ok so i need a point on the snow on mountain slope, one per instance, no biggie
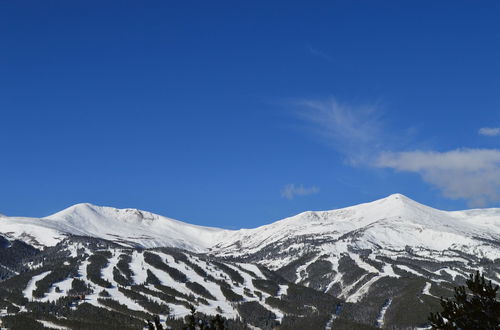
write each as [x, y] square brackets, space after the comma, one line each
[393, 222]
[355, 251]
[32, 231]
[126, 226]
[164, 281]
[393, 249]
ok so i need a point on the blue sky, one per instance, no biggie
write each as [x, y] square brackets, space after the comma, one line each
[238, 114]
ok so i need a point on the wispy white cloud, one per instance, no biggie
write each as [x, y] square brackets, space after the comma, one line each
[471, 174]
[319, 53]
[290, 191]
[361, 136]
[355, 131]
[489, 131]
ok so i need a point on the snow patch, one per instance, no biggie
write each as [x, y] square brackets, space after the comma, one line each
[52, 325]
[381, 316]
[28, 292]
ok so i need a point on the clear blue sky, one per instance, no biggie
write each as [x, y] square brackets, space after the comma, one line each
[236, 114]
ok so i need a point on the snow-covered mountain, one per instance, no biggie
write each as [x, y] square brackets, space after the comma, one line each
[393, 222]
[126, 226]
[392, 227]
[356, 253]
[380, 259]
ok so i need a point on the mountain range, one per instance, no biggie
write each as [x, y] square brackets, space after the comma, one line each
[382, 264]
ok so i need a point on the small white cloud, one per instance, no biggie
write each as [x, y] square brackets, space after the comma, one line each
[489, 131]
[471, 174]
[319, 53]
[291, 190]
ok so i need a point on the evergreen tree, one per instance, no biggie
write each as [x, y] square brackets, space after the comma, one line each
[150, 325]
[196, 321]
[191, 319]
[217, 323]
[477, 310]
[157, 323]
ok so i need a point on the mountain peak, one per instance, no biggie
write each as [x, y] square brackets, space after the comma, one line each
[398, 201]
[90, 211]
[132, 225]
[397, 196]
[80, 208]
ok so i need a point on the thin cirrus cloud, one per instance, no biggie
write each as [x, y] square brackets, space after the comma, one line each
[290, 191]
[359, 133]
[318, 53]
[489, 131]
[352, 130]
